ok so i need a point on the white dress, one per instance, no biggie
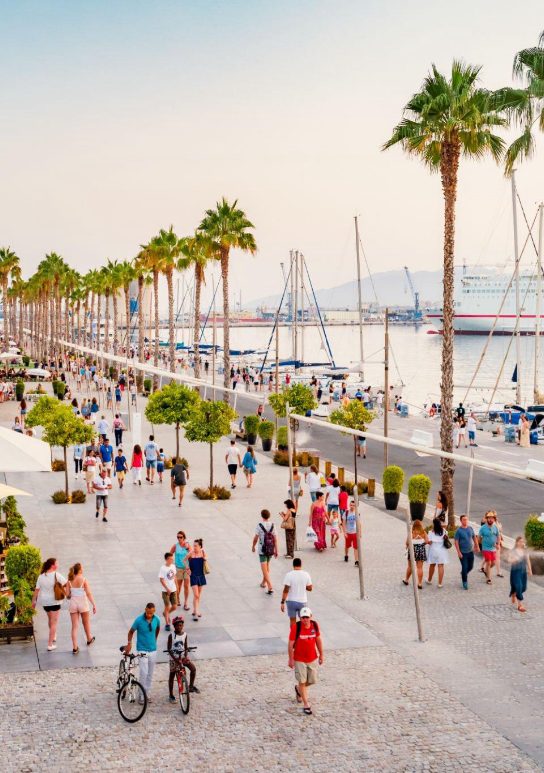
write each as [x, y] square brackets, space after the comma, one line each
[437, 552]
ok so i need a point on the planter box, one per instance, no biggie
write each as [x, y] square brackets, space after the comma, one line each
[16, 631]
[417, 510]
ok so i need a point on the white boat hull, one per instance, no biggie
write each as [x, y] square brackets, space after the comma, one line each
[480, 324]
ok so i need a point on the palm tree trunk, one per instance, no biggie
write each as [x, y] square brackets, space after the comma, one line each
[449, 166]
[107, 326]
[91, 320]
[21, 324]
[65, 473]
[98, 321]
[4, 312]
[115, 321]
[127, 316]
[140, 376]
[196, 334]
[226, 321]
[171, 332]
[156, 314]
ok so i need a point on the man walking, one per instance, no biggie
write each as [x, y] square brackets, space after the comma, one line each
[167, 577]
[150, 452]
[101, 486]
[296, 585]
[106, 454]
[268, 547]
[305, 652]
[490, 537]
[349, 527]
[146, 627]
[471, 429]
[121, 468]
[103, 427]
[466, 545]
[233, 460]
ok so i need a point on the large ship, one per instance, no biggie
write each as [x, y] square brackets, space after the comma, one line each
[481, 305]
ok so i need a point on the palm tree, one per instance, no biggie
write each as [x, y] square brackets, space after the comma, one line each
[167, 247]
[228, 228]
[449, 117]
[197, 251]
[151, 258]
[142, 274]
[127, 274]
[9, 267]
[93, 282]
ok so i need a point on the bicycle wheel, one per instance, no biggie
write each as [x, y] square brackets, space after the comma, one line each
[183, 688]
[132, 700]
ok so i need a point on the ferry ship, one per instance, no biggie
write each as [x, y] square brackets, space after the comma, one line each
[479, 297]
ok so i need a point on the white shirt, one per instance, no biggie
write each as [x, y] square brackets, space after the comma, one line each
[102, 484]
[314, 481]
[233, 455]
[103, 426]
[46, 584]
[334, 495]
[471, 424]
[168, 574]
[297, 580]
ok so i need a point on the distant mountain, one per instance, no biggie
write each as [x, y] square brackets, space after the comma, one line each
[391, 288]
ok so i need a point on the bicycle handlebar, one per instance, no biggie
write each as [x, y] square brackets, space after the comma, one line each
[130, 655]
[189, 649]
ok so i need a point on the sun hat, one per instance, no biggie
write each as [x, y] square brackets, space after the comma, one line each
[305, 612]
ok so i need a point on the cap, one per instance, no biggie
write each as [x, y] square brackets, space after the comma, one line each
[305, 612]
[178, 619]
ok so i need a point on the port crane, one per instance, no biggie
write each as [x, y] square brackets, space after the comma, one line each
[417, 313]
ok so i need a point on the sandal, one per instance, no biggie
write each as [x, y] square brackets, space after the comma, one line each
[405, 582]
[91, 641]
[307, 710]
[77, 650]
[299, 696]
[186, 608]
[488, 582]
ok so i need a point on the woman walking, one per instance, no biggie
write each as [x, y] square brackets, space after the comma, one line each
[91, 466]
[118, 429]
[22, 409]
[288, 523]
[441, 507]
[197, 562]
[438, 555]
[524, 432]
[462, 433]
[249, 465]
[296, 493]
[137, 464]
[519, 569]
[314, 482]
[51, 589]
[317, 521]
[419, 541]
[181, 552]
[79, 451]
[80, 596]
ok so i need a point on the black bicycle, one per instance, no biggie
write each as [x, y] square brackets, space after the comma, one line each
[181, 678]
[131, 696]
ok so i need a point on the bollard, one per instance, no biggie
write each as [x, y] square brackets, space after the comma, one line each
[328, 468]
[371, 488]
[341, 475]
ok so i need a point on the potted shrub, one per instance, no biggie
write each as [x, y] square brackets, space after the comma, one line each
[266, 433]
[419, 487]
[281, 437]
[19, 389]
[26, 360]
[22, 568]
[251, 426]
[78, 497]
[392, 482]
[147, 385]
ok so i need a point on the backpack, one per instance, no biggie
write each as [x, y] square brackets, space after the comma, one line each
[315, 628]
[268, 540]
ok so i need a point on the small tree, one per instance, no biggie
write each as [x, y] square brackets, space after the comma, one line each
[301, 400]
[354, 416]
[173, 404]
[209, 422]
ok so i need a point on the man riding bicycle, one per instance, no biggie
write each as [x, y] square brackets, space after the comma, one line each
[178, 647]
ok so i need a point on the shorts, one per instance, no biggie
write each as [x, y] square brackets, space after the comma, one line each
[489, 555]
[232, 469]
[332, 508]
[334, 530]
[294, 607]
[182, 574]
[351, 541]
[150, 464]
[306, 673]
[169, 598]
[160, 466]
[107, 466]
[89, 474]
[101, 499]
[78, 604]
[121, 475]
[361, 442]
[264, 559]
[471, 435]
[52, 608]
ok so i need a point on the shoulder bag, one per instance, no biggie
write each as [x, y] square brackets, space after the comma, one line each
[447, 541]
[288, 523]
[58, 590]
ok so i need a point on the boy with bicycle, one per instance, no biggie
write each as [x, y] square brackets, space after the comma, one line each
[178, 648]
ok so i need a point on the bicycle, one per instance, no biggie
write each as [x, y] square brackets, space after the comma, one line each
[181, 677]
[131, 696]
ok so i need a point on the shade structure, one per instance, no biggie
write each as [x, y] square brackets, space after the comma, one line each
[22, 453]
[10, 356]
[38, 372]
[11, 491]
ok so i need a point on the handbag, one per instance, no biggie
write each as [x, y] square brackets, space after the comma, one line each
[206, 566]
[58, 590]
[288, 523]
[447, 541]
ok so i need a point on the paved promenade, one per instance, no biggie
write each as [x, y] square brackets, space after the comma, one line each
[468, 698]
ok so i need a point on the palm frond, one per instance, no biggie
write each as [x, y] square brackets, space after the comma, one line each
[522, 148]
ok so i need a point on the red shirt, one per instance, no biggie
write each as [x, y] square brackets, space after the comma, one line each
[343, 500]
[305, 647]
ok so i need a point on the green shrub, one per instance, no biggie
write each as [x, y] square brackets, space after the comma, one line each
[22, 568]
[26, 360]
[302, 459]
[534, 532]
[251, 424]
[59, 497]
[419, 487]
[78, 496]
[4, 609]
[266, 430]
[282, 438]
[393, 479]
[217, 492]
[147, 384]
[57, 465]
[362, 486]
[14, 520]
[19, 389]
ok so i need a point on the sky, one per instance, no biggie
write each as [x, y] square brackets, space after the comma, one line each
[123, 117]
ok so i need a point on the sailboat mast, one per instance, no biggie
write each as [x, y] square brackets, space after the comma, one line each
[359, 298]
[302, 264]
[295, 309]
[518, 309]
[538, 296]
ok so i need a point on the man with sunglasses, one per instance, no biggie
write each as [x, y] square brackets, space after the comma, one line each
[147, 627]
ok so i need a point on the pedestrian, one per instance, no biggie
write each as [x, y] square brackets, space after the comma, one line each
[462, 433]
[489, 540]
[109, 399]
[438, 553]
[94, 408]
[181, 551]
[296, 585]
[179, 475]
[118, 428]
[441, 508]
[79, 452]
[22, 410]
[118, 396]
[178, 646]
[198, 567]
[314, 482]
[288, 523]
[136, 464]
[334, 521]
[498, 524]
[161, 456]
[297, 487]
[524, 432]
[51, 588]
[332, 497]
[520, 567]
[233, 460]
[103, 428]
[167, 578]
[460, 411]
[120, 466]
[349, 527]
[151, 450]
[472, 425]
[265, 536]
[101, 486]
[466, 545]
[90, 465]
[361, 446]
[455, 431]
[305, 652]
[147, 627]
[249, 465]
[133, 393]
[419, 541]
[317, 521]
[106, 455]
[80, 598]
[16, 426]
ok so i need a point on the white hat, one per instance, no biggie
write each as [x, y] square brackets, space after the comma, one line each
[305, 612]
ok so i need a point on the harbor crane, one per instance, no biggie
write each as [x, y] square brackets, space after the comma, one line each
[417, 313]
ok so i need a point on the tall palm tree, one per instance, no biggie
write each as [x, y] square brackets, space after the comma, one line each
[142, 274]
[9, 268]
[450, 117]
[167, 247]
[197, 251]
[151, 258]
[93, 283]
[127, 274]
[228, 228]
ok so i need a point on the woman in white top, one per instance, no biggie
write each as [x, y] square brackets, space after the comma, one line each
[80, 596]
[45, 592]
[438, 554]
[314, 481]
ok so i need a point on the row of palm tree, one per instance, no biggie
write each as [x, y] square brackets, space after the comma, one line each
[450, 118]
[57, 303]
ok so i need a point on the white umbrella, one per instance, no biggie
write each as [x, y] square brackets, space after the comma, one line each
[22, 453]
[10, 356]
[38, 372]
[11, 491]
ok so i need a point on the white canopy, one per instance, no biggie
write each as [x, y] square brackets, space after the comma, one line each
[11, 491]
[22, 453]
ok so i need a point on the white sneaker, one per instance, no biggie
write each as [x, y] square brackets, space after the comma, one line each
[51, 647]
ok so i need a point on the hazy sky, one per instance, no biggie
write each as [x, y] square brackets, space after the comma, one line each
[122, 117]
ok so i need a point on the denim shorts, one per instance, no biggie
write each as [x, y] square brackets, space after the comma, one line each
[294, 607]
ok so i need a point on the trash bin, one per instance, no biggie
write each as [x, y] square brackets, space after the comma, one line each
[509, 434]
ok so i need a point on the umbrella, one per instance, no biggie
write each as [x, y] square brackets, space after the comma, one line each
[11, 491]
[21, 453]
[9, 356]
[38, 372]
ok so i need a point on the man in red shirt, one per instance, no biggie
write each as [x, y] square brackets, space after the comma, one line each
[305, 651]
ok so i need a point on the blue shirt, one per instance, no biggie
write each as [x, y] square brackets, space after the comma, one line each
[465, 537]
[120, 462]
[106, 452]
[146, 640]
[180, 556]
[489, 535]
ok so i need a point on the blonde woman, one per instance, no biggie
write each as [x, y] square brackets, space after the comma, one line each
[419, 541]
[45, 593]
[80, 596]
